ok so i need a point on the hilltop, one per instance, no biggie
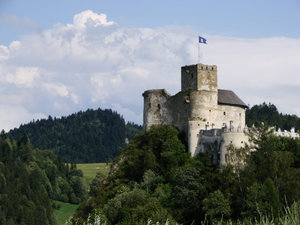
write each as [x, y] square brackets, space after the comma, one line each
[83, 137]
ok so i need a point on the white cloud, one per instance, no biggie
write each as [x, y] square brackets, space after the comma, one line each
[89, 18]
[96, 63]
[57, 89]
[13, 116]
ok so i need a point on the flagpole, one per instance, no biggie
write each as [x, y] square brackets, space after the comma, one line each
[198, 53]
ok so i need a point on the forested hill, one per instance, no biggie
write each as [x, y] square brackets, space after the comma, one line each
[268, 113]
[89, 136]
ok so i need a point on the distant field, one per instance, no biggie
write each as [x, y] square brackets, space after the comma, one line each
[91, 169]
[66, 210]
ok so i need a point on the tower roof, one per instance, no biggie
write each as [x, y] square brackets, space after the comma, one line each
[227, 97]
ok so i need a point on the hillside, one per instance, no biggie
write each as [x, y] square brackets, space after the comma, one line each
[83, 137]
[30, 179]
[268, 113]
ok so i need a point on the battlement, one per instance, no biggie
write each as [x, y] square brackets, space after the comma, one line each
[199, 66]
[156, 92]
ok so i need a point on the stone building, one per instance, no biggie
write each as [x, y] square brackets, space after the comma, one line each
[211, 118]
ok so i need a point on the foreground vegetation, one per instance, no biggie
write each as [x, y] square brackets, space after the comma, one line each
[30, 179]
[155, 179]
[84, 137]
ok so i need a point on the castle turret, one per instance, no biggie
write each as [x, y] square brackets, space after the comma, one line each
[154, 107]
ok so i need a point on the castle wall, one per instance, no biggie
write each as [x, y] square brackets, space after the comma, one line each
[178, 110]
[230, 117]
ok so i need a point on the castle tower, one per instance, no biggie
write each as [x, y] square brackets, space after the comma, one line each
[154, 107]
[199, 77]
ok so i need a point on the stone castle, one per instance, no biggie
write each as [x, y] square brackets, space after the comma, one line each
[211, 118]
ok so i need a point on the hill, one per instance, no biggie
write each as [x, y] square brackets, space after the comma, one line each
[83, 137]
[156, 181]
[268, 113]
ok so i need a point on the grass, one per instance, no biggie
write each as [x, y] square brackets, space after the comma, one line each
[89, 172]
[91, 169]
[66, 210]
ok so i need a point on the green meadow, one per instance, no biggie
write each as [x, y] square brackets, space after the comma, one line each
[66, 210]
[89, 172]
[91, 169]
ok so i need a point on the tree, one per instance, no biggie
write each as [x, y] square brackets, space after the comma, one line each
[216, 206]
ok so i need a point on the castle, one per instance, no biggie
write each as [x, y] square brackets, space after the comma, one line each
[211, 118]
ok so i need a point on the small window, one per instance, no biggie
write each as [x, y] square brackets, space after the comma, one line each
[192, 75]
[224, 113]
[149, 105]
[242, 142]
[240, 114]
[158, 106]
[209, 110]
[212, 68]
[206, 68]
[230, 142]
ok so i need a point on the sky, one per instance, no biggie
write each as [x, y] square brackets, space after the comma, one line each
[60, 57]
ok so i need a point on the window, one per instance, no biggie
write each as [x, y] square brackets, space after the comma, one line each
[209, 110]
[231, 124]
[149, 105]
[158, 106]
[224, 113]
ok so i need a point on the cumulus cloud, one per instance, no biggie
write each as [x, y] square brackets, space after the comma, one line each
[95, 62]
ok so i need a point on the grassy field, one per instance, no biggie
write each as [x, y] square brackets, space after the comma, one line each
[66, 210]
[89, 172]
[91, 169]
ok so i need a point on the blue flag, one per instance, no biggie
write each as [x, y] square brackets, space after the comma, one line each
[202, 40]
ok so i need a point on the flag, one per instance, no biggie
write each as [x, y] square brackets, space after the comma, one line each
[202, 40]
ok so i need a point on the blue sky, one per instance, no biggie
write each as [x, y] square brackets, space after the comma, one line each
[238, 18]
[58, 57]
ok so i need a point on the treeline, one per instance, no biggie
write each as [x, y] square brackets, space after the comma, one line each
[269, 114]
[83, 137]
[155, 180]
[30, 179]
